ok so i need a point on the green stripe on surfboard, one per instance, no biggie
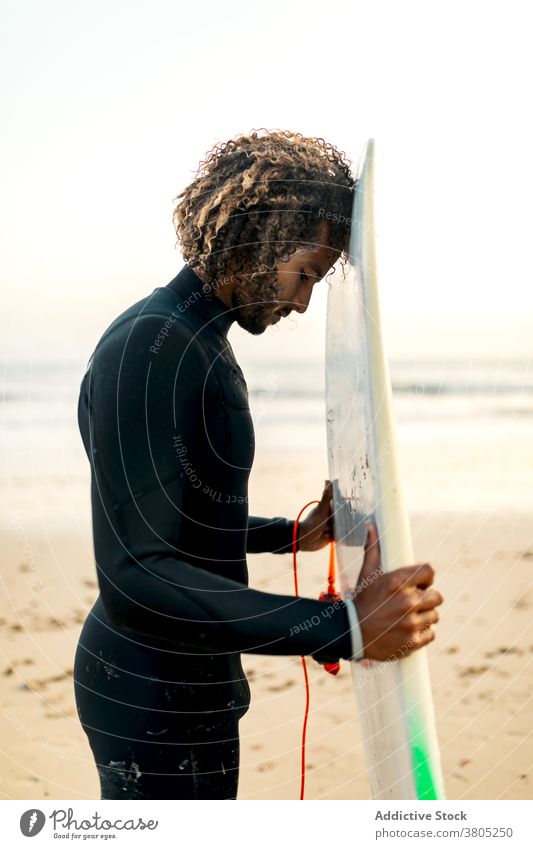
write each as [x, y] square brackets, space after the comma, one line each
[424, 778]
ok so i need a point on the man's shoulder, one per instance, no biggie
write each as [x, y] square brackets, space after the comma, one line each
[148, 323]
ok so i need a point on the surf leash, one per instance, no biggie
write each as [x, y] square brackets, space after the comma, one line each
[328, 595]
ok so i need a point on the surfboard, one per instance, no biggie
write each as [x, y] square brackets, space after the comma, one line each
[394, 698]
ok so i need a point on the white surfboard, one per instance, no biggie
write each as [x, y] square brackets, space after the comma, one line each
[394, 698]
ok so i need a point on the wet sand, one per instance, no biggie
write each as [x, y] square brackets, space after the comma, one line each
[481, 663]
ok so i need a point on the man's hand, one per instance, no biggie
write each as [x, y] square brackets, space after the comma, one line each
[396, 609]
[316, 530]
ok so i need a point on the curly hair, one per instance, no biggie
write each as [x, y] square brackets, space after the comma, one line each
[257, 198]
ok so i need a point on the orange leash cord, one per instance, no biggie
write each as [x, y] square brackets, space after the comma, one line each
[329, 595]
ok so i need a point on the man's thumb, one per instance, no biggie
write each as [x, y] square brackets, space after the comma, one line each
[327, 492]
[372, 558]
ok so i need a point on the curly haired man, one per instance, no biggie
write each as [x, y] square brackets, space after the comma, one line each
[166, 424]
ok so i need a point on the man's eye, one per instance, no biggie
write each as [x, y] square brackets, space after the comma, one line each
[303, 276]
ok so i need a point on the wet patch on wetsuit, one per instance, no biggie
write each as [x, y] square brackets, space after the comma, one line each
[118, 781]
[214, 779]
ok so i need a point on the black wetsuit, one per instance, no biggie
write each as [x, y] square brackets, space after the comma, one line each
[164, 416]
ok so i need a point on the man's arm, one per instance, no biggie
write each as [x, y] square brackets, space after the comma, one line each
[138, 404]
[269, 535]
[315, 529]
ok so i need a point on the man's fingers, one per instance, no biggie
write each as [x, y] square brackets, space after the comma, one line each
[428, 617]
[421, 575]
[418, 640]
[425, 636]
[428, 599]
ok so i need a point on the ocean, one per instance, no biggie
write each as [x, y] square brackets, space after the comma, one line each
[464, 427]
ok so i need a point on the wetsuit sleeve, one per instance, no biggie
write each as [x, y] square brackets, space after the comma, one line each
[136, 408]
[358, 651]
[272, 535]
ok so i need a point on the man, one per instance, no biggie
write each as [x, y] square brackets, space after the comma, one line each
[166, 424]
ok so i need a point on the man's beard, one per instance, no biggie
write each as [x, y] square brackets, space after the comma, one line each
[254, 301]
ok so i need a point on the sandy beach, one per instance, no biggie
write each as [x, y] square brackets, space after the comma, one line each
[481, 662]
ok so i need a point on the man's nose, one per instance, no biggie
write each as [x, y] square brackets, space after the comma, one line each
[301, 302]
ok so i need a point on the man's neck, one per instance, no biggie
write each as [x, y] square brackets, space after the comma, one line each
[222, 291]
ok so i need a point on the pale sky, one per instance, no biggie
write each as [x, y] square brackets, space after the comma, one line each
[108, 107]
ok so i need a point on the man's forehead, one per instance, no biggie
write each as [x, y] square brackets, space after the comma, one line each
[325, 256]
[318, 254]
